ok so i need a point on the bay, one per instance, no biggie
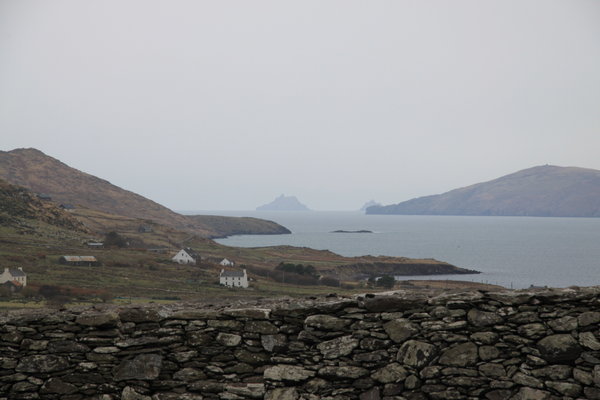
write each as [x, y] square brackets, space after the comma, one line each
[509, 251]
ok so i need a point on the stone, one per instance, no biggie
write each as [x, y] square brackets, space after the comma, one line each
[285, 372]
[263, 327]
[57, 386]
[526, 380]
[527, 393]
[246, 390]
[228, 339]
[189, 375]
[251, 357]
[391, 303]
[553, 372]
[344, 372]
[391, 373]
[499, 394]
[326, 322]
[564, 324]
[492, 370]
[480, 318]
[286, 393]
[559, 348]
[142, 367]
[399, 330]
[104, 320]
[462, 355]
[338, 347]
[273, 343]
[129, 393]
[532, 331]
[250, 313]
[487, 353]
[67, 346]
[485, 337]
[565, 388]
[371, 394]
[588, 340]
[596, 375]
[42, 364]
[582, 376]
[415, 353]
[588, 318]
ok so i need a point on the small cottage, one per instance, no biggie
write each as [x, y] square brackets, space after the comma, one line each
[234, 278]
[226, 263]
[85, 261]
[186, 256]
[16, 277]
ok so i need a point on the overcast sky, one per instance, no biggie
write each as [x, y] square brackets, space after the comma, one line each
[215, 105]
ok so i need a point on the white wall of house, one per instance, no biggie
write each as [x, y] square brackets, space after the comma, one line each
[182, 257]
[226, 263]
[7, 276]
[234, 281]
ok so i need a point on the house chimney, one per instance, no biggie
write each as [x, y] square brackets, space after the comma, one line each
[6, 270]
[20, 268]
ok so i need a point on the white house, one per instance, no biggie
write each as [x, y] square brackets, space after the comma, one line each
[186, 256]
[234, 278]
[16, 276]
[226, 263]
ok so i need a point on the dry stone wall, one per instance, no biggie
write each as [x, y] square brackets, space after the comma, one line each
[471, 345]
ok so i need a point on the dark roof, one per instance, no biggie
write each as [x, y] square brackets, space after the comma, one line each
[232, 274]
[191, 252]
[17, 272]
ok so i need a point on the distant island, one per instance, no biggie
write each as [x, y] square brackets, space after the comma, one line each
[359, 231]
[284, 203]
[368, 204]
[543, 191]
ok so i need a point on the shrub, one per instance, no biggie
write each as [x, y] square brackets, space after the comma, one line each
[386, 281]
[330, 281]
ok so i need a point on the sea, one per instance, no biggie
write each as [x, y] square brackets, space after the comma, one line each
[514, 252]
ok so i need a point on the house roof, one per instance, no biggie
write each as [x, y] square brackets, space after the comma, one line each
[16, 272]
[80, 258]
[191, 252]
[232, 274]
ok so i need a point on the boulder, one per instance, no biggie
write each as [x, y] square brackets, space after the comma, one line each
[559, 348]
[416, 354]
[462, 355]
[143, 367]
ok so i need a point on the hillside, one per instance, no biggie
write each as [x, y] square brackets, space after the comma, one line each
[283, 203]
[544, 191]
[18, 207]
[34, 170]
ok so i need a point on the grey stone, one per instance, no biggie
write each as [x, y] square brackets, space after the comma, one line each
[228, 339]
[286, 393]
[461, 355]
[129, 393]
[564, 324]
[42, 364]
[532, 331]
[492, 370]
[553, 372]
[485, 337]
[588, 318]
[371, 394]
[273, 343]
[58, 386]
[487, 353]
[527, 393]
[246, 390]
[399, 330]
[416, 354]
[483, 318]
[343, 372]
[391, 373]
[138, 315]
[326, 322]
[262, 327]
[250, 313]
[288, 373]
[582, 376]
[526, 380]
[565, 388]
[559, 348]
[106, 319]
[142, 367]
[189, 374]
[587, 339]
[338, 347]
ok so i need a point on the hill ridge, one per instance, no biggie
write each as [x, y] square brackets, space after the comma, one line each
[541, 191]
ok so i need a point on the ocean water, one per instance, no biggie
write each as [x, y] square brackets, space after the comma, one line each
[510, 251]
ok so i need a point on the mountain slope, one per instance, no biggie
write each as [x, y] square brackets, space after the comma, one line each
[40, 173]
[544, 191]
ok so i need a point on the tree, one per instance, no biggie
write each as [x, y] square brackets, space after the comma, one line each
[113, 239]
[386, 281]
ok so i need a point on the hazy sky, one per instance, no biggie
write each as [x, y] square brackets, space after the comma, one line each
[204, 105]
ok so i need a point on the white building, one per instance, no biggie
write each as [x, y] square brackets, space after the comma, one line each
[186, 256]
[234, 278]
[17, 276]
[226, 263]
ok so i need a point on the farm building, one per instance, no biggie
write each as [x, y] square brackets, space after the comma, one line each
[186, 256]
[233, 278]
[86, 261]
[15, 277]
